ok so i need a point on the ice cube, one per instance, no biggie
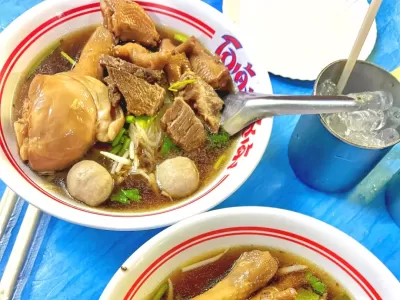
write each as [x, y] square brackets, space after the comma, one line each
[388, 136]
[364, 120]
[377, 100]
[393, 117]
[336, 123]
[328, 88]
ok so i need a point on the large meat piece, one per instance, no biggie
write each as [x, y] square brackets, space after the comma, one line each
[204, 100]
[210, 68]
[252, 271]
[128, 21]
[183, 127]
[142, 57]
[100, 43]
[178, 64]
[151, 76]
[284, 289]
[56, 129]
[142, 98]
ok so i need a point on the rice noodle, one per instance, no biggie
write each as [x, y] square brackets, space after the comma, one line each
[119, 167]
[203, 262]
[114, 167]
[122, 160]
[132, 150]
[170, 290]
[291, 269]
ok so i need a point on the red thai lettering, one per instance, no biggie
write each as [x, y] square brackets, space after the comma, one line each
[228, 40]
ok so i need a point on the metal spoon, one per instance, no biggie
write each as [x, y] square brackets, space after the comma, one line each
[242, 109]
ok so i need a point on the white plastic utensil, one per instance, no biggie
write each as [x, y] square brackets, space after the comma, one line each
[7, 205]
[18, 253]
[358, 44]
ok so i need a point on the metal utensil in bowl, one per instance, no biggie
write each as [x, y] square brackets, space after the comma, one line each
[242, 109]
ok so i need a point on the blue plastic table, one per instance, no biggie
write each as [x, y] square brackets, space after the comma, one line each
[74, 262]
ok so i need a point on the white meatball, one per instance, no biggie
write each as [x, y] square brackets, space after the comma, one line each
[178, 177]
[89, 182]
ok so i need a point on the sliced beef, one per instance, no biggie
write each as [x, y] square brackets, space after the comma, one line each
[183, 127]
[210, 68]
[204, 100]
[128, 21]
[142, 98]
[151, 76]
[178, 65]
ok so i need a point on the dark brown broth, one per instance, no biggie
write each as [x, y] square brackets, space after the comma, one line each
[72, 44]
[193, 283]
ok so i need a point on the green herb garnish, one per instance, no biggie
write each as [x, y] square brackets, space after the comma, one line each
[167, 146]
[125, 146]
[180, 37]
[130, 119]
[144, 121]
[317, 285]
[115, 150]
[118, 138]
[161, 291]
[126, 196]
[69, 58]
[180, 85]
[303, 294]
[218, 140]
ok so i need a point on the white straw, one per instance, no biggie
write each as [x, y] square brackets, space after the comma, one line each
[17, 257]
[7, 206]
[358, 44]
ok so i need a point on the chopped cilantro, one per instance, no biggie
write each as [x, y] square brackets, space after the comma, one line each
[167, 146]
[218, 140]
[317, 285]
[126, 196]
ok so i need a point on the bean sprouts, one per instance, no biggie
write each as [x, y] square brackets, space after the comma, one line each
[203, 262]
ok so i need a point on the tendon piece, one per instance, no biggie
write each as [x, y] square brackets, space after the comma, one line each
[101, 42]
[142, 57]
[252, 271]
[142, 98]
[178, 65]
[183, 127]
[292, 280]
[210, 68]
[151, 76]
[204, 100]
[128, 21]
[61, 125]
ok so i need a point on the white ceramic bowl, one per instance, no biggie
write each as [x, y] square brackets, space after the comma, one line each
[353, 266]
[27, 36]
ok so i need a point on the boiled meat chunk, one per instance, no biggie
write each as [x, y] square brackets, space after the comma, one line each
[204, 100]
[210, 68]
[100, 43]
[128, 21]
[183, 127]
[178, 64]
[142, 57]
[65, 114]
[252, 271]
[142, 98]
